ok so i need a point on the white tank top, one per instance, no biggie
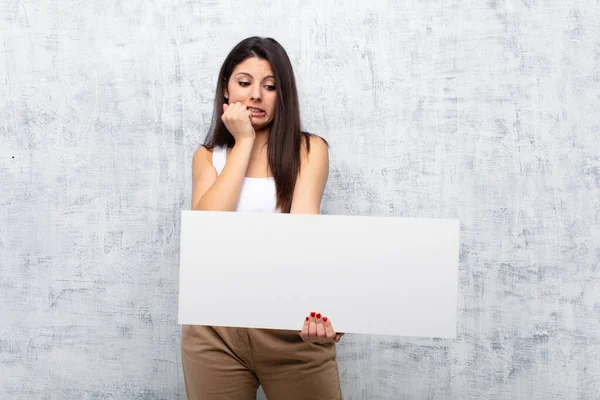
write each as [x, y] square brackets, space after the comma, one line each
[257, 194]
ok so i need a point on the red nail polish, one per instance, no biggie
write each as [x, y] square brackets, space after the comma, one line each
[312, 314]
[318, 316]
[307, 318]
[324, 319]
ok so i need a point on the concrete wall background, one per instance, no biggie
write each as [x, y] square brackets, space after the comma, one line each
[486, 111]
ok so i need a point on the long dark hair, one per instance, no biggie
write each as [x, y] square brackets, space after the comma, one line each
[285, 136]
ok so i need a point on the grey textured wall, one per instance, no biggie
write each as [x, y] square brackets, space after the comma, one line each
[486, 111]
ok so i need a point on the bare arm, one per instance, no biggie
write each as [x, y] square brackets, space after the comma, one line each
[308, 194]
[219, 193]
[310, 184]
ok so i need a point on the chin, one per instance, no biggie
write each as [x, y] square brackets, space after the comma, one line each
[262, 125]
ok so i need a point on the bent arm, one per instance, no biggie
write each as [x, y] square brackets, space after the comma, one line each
[212, 192]
[310, 184]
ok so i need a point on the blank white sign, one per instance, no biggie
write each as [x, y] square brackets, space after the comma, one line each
[370, 275]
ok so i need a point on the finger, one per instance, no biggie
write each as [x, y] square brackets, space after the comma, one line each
[320, 329]
[241, 111]
[329, 332]
[229, 110]
[312, 328]
[338, 337]
[304, 331]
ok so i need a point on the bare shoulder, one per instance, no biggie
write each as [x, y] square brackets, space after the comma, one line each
[315, 153]
[204, 173]
[202, 166]
[314, 171]
[202, 155]
[202, 160]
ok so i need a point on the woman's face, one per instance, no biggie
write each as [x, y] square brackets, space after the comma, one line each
[252, 83]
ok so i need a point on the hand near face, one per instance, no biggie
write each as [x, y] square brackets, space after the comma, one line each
[238, 121]
[318, 329]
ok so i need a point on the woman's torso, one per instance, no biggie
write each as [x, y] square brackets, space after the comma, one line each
[257, 194]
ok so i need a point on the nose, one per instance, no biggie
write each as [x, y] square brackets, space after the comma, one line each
[255, 93]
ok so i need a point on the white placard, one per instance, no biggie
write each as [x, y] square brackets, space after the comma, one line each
[370, 275]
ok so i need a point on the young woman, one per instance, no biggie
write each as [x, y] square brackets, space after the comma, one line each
[256, 158]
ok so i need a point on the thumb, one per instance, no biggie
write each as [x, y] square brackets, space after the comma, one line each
[225, 107]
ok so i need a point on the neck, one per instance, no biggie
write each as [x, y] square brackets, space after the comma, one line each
[262, 135]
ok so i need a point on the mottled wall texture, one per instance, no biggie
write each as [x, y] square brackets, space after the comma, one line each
[488, 111]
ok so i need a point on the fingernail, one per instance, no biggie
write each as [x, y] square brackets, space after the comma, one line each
[324, 319]
[312, 314]
[307, 318]
[318, 316]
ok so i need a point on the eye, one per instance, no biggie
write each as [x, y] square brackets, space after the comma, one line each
[244, 84]
[270, 87]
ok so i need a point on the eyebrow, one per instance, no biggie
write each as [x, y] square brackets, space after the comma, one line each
[245, 73]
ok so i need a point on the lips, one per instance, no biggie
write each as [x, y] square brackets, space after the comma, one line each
[256, 110]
